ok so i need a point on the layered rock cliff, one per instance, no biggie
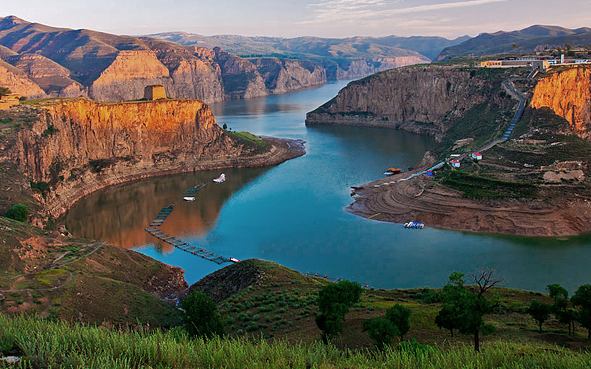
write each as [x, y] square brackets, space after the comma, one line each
[80, 146]
[421, 99]
[568, 93]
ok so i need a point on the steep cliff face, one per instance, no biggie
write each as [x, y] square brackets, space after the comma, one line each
[18, 82]
[128, 75]
[283, 75]
[80, 146]
[568, 93]
[419, 99]
[241, 78]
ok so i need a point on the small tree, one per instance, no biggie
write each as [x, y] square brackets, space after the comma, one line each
[225, 126]
[399, 316]
[334, 301]
[18, 212]
[560, 307]
[582, 299]
[380, 330]
[201, 316]
[540, 311]
[447, 318]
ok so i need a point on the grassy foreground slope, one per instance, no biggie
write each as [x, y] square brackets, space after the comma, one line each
[58, 344]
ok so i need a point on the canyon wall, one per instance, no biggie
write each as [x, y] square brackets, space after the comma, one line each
[18, 82]
[568, 93]
[79, 146]
[420, 99]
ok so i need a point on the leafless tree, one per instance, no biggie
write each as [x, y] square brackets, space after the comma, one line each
[485, 280]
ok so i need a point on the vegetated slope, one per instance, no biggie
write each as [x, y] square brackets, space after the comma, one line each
[317, 47]
[105, 67]
[528, 40]
[434, 100]
[47, 273]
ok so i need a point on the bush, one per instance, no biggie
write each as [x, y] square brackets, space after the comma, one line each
[18, 212]
[201, 316]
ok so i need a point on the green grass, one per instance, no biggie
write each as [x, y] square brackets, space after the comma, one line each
[249, 140]
[42, 343]
[482, 187]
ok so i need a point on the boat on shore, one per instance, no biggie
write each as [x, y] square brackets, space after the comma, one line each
[414, 225]
[234, 260]
[220, 179]
[391, 171]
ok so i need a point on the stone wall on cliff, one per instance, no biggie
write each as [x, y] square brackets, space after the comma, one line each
[568, 93]
[419, 99]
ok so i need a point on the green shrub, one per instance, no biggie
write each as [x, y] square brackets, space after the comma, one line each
[18, 212]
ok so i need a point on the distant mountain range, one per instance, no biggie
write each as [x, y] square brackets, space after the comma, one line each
[528, 40]
[316, 47]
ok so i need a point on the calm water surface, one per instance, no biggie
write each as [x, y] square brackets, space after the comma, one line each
[293, 213]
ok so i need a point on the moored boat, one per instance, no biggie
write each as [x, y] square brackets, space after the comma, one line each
[220, 179]
[415, 225]
[189, 198]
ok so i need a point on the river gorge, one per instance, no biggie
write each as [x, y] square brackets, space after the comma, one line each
[293, 213]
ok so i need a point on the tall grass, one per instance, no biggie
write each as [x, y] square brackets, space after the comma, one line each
[58, 344]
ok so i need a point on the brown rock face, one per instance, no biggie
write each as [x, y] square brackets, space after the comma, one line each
[128, 75]
[404, 98]
[80, 146]
[18, 82]
[282, 75]
[568, 93]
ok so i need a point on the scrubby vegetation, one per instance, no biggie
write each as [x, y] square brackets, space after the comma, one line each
[249, 140]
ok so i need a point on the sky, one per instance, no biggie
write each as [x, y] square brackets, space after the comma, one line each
[289, 18]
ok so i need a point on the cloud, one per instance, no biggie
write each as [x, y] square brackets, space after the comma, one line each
[357, 10]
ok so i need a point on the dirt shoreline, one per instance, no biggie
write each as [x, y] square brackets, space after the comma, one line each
[280, 151]
[422, 199]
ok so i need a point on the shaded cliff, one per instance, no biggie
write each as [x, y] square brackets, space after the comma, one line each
[79, 146]
[568, 93]
[423, 99]
[18, 82]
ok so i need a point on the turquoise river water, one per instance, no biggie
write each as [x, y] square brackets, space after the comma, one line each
[293, 213]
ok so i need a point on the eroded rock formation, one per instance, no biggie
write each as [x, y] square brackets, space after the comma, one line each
[568, 93]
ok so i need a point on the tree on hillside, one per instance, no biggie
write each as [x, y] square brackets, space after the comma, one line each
[334, 301]
[201, 317]
[467, 308]
[18, 212]
[540, 311]
[563, 313]
[582, 300]
[380, 330]
[447, 318]
[399, 316]
[5, 91]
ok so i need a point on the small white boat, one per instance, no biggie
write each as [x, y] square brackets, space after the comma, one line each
[234, 260]
[189, 198]
[415, 225]
[220, 179]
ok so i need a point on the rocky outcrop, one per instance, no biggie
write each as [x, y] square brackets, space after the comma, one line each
[81, 146]
[422, 99]
[283, 75]
[18, 82]
[360, 68]
[50, 76]
[568, 93]
[241, 78]
[128, 75]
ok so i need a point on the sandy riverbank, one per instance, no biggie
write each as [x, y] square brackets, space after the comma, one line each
[422, 199]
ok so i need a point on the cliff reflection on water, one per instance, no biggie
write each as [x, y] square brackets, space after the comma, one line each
[121, 213]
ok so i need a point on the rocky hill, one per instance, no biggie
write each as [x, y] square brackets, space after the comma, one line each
[528, 40]
[423, 99]
[68, 149]
[59, 62]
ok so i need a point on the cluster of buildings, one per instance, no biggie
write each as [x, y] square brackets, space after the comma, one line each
[455, 162]
[538, 63]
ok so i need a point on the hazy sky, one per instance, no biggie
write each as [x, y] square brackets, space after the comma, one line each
[287, 18]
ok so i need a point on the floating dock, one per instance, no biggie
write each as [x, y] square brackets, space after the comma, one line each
[161, 217]
[187, 247]
[194, 189]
